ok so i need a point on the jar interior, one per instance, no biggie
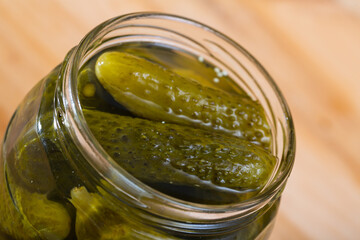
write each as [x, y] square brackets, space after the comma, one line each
[239, 71]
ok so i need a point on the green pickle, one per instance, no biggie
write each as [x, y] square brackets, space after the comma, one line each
[35, 216]
[154, 92]
[186, 65]
[163, 122]
[158, 152]
[97, 219]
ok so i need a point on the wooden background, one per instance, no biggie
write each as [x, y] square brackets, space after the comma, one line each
[310, 47]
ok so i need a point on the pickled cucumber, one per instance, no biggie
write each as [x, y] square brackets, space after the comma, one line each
[183, 64]
[170, 153]
[97, 219]
[153, 92]
[94, 219]
[33, 216]
[30, 168]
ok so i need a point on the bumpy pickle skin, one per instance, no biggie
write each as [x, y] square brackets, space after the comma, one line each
[170, 153]
[97, 219]
[151, 91]
[183, 64]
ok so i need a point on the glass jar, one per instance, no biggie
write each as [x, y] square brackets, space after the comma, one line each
[54, 175]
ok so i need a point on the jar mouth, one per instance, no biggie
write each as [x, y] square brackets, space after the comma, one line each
[140, 194]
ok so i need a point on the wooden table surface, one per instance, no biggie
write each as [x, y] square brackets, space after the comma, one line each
[310, 47]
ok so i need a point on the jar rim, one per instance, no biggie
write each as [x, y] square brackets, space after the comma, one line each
[100, 160]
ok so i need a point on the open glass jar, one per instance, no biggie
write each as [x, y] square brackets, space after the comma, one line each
[58, 182]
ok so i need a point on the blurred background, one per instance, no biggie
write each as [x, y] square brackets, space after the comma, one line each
[310, 47]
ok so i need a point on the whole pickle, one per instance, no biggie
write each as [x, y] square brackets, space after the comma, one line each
[151, 91]
[170, 153]
[33, 216]
[194, 67]
[30, 167]
[94, 219]
[98, 219]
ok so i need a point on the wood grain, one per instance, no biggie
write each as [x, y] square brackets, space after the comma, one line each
[310, 47]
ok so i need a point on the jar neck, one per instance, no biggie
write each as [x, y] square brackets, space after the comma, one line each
[103, 171]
